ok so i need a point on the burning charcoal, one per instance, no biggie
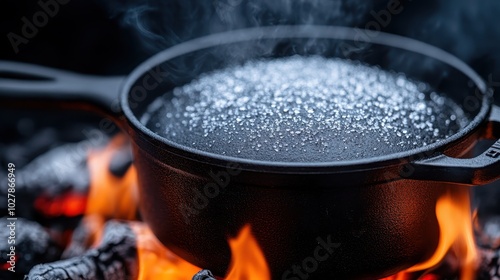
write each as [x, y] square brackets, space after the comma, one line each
[490, 264]
[121, 161]
[59, 171]
[26, 134]
[33, 245]
[487, 232]
[204, 275]
[487, 236]
[115, 258]
[23, 151]
[83, 236]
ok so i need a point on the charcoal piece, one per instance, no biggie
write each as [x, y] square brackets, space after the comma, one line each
[114, 259]
[121, 161]
[83, 236]
[82, 268]
[55, 172]
[204, 275]
[487, 232]
[60, 169]
[24, 150]
[490, 264]
[33, 245]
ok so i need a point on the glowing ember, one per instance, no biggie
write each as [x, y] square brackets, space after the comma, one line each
[69, 205]
[110, 196]
[430, 277]
[453, 213]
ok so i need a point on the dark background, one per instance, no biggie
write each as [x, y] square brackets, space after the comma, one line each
[111, 37]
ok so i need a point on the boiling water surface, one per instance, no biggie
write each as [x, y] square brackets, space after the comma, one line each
[304, 109]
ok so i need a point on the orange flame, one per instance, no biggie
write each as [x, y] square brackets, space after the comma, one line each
[248, 261]
[157, 262]
[453, 213]
[113, 197]
[110, 196]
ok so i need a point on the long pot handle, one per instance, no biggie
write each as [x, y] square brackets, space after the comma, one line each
[479, 170]
[27, 86]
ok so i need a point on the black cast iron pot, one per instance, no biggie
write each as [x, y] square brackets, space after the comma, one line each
[370, 217]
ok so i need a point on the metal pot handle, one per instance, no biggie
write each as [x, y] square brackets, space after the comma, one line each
[480, 170]
[26, 85]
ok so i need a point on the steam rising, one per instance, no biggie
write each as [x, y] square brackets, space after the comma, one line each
[161, 24]
[466, 28]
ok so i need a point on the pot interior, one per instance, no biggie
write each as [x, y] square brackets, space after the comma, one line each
[186, 62]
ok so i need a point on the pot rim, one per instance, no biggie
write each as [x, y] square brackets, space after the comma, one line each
[302, 31]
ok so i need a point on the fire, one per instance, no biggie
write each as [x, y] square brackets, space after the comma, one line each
[453, 213]
[109, 195]
[157, 262]
[112, 197]
[248, 261]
